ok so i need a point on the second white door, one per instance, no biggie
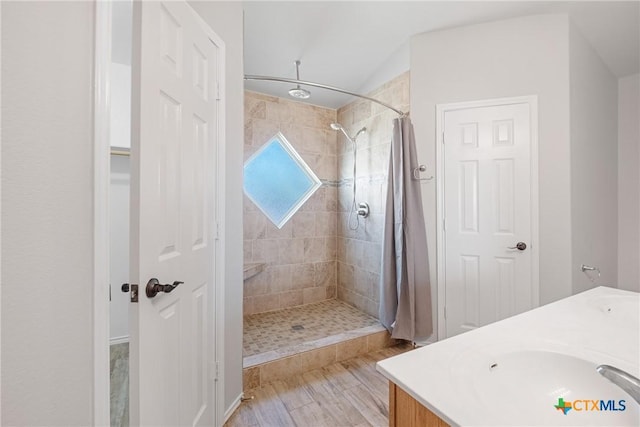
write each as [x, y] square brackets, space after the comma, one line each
[177, 128]
[487, 214]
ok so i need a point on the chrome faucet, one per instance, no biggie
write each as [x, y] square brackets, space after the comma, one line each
[622, 379]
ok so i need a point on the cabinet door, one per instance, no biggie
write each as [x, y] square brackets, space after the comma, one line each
[405, 411]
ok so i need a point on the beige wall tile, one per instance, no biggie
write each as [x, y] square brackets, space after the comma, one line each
[341, 246]
[379, 340]
[248, 306]
[291, 299]
[355, 255]
[311, 295]
[331, 200]
[326, 223]
[248, 205]
[372, 308]
[254, 108]
[266, 250]
[331, 292]
[273, 232]
[262, 303]
[352, 348]
[291, 251]
[330, 248]
[281, 278]
[263, 131]
[313, 140]
[314, 249]
[254, 225]
[346, 276]
[372, 253]
[280, 369]
[362, 282]
[318, 358]
[260, 96]
[247, 251]
[304, 224]
[250, 378]
[302, 276]
[325, 273]
[259, 284]
[293, 134]
[306, 239]
[316, 202]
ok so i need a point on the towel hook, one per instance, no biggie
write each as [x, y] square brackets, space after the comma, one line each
[416, 173]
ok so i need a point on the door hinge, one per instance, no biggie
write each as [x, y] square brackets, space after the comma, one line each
[443, 137]
[217, 91]
[215, 370]
[445, 312]
[216, 232]
[444, 224]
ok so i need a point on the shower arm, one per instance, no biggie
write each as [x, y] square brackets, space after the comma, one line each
[322, 86]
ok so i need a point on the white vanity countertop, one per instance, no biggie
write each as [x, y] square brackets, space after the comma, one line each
[512, 372]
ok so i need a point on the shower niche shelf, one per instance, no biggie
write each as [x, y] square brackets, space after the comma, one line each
[251, 270]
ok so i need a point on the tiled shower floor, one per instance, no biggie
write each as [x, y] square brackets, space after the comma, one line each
[265, 332]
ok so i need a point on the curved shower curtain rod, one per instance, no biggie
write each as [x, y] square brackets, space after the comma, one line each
[321, 86]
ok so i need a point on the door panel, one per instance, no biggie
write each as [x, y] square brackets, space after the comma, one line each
[487, 209]
[173, 216]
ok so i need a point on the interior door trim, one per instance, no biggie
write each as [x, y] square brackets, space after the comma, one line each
[441, 110]
[101, 174]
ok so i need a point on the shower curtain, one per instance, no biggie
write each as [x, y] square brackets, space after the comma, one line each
[405, 294]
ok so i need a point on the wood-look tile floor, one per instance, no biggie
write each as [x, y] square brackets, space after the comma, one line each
[349, 393]
[120, 385]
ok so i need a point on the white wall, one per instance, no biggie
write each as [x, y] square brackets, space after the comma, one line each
[225, 18]
[47, 246]
[523, 56]
[594, 165]
[629, 183]
[119, 247]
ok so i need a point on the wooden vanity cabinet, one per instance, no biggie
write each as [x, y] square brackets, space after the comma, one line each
[405, 411]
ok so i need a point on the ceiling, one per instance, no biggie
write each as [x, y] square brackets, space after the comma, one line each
[359, 45]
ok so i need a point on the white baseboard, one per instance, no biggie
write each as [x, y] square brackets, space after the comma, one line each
[236, 403]
[119, 340]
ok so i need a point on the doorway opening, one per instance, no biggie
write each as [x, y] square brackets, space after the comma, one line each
[119, 218]
[311, 286]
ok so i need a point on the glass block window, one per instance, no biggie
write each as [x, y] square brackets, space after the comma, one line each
[278, 181]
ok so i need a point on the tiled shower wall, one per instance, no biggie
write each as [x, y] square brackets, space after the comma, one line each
[300, 258]
[359, 251]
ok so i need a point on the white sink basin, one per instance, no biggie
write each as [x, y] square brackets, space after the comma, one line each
[527, 385]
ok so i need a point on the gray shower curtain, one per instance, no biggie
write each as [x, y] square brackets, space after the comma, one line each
[405, 294]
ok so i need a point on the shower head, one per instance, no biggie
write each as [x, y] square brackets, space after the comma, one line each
[338, 126]
[298, 92]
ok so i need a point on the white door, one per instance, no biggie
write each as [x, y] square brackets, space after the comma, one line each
[487, 212]
[173, 213]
